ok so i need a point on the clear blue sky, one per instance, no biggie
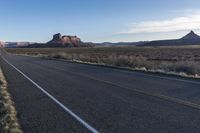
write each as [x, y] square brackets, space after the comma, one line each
[98, 20]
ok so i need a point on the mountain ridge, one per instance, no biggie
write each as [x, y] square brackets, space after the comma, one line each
[73, 41]
[189, 39]
[191, 35]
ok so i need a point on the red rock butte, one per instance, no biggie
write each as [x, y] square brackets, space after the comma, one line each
[65, 40]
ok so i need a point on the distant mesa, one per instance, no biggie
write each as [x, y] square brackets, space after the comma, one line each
[190, 39]
[16, 44]
[73, 41]
[1, 44]
[66, 41]
[57, 41]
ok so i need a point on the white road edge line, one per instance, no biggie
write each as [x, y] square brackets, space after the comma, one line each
[85, 124]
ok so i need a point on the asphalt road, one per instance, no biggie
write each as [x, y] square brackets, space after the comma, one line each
[108, 100]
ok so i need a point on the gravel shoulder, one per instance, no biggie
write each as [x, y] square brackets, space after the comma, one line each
[8, 114]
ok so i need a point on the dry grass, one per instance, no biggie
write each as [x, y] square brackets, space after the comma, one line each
[8, 119]
[179, 60]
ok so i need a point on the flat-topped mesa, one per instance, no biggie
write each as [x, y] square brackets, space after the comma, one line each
[71, 40]
[68, 41]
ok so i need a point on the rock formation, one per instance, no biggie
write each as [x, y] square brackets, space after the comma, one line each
[191, 36]
[189, 39]
[68, 41]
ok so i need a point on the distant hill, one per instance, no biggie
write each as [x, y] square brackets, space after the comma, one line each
[16, 44]
[121, 43]
[189, 39]
[1, 44]
[61, 41]
[73, 41]
[191, 36]
[66, 41]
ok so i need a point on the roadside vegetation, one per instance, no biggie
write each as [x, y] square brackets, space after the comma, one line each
[184, 61]
[8, 119]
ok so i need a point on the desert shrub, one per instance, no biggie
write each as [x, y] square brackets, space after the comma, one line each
[167, 59]
[190, 68]
[122, 60]
[137, 61]
[8, 119]
[59, 55]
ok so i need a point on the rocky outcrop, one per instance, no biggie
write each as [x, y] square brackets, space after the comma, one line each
[1, 44]
[67, 41]
[61, 42]
[191, 36]
[189, 39]
[57, 41]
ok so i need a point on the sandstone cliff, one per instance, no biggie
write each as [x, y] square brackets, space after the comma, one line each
[68, 41]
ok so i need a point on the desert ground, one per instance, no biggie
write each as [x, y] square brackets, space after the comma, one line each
[182, 60]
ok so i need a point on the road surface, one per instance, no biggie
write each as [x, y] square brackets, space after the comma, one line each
[57, 97]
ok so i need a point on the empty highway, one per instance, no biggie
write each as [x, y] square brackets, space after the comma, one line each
[54, 96]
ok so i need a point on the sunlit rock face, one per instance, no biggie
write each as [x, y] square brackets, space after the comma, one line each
[72, 41]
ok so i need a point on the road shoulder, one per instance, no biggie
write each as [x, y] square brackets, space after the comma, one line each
[8, 116]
